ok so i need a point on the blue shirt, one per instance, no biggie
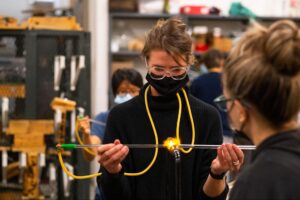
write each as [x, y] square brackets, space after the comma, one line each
[207, 87]
[98, 129]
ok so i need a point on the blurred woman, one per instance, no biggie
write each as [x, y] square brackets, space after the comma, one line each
[262, 97]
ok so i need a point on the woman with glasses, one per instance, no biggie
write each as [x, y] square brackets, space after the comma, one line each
[165, 109]
[262, 98]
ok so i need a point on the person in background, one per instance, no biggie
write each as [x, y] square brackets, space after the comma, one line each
[152, 117]
[208, 86]
[126, 84]
[261, 96]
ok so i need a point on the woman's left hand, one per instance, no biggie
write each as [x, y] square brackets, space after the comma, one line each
[230, 157]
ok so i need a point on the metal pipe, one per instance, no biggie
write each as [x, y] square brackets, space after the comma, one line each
[177, 158]
[97, 122]
[152, 146]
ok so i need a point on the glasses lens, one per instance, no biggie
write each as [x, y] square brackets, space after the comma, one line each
[221, 103]
[157, 73]
[178, 73]
[222, 106]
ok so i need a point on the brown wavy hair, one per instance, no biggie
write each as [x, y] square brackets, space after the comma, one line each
[171, 36]
[263, 70]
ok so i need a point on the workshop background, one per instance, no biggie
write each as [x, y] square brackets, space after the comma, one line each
[56, 61]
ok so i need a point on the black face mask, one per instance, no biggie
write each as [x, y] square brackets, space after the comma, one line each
[240, 131]
[240, 137]
[167, 86]
[235, 130]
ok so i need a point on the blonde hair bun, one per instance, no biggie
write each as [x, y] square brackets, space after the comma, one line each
[282, 47]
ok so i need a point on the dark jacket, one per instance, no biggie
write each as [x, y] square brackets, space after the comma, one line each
[130, 123]
[207, 87]
[274, 172]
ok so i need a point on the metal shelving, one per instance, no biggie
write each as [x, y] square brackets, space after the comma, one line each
[38, 48]
[187, 18]
[152, 17]
[125, 54]
[126, 15]
[228, 23]
[272, 19]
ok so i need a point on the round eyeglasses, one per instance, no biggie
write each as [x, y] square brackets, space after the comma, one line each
[176, 73]
[221, 103]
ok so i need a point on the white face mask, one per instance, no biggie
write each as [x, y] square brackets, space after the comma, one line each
[122, 98]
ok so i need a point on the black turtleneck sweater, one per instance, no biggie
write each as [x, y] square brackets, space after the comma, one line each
[129, 122]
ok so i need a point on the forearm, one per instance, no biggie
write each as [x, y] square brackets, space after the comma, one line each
[214, 187]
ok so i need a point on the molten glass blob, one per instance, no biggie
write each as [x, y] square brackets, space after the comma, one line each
[171, 143]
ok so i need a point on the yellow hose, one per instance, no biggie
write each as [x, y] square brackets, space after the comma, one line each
[80, 141]
[69, 173]
[192, 122]
[155, 136]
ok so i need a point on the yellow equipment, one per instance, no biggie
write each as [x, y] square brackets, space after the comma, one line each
[63, 106]
[29, 139]
[9, 23]
[12, 90]
[52, 23]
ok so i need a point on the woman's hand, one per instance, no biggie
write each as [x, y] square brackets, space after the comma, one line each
[84, 125]
[229, 157]
[111, 155]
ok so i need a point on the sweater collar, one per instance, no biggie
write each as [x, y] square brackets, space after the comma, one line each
[285, 141]
[161, 103]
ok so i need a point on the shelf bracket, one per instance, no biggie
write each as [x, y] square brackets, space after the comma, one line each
[76, 69]
[59, 66]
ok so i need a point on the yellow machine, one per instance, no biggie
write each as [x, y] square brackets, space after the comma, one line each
[52, 23]
[9, 169]
[12, 90]
[29, 139]
[9, 23]
[39, 23]
[62, 106]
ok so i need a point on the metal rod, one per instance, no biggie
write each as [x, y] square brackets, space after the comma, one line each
[97, 122]
[152, 146]
[177, 159]
[213, 146]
